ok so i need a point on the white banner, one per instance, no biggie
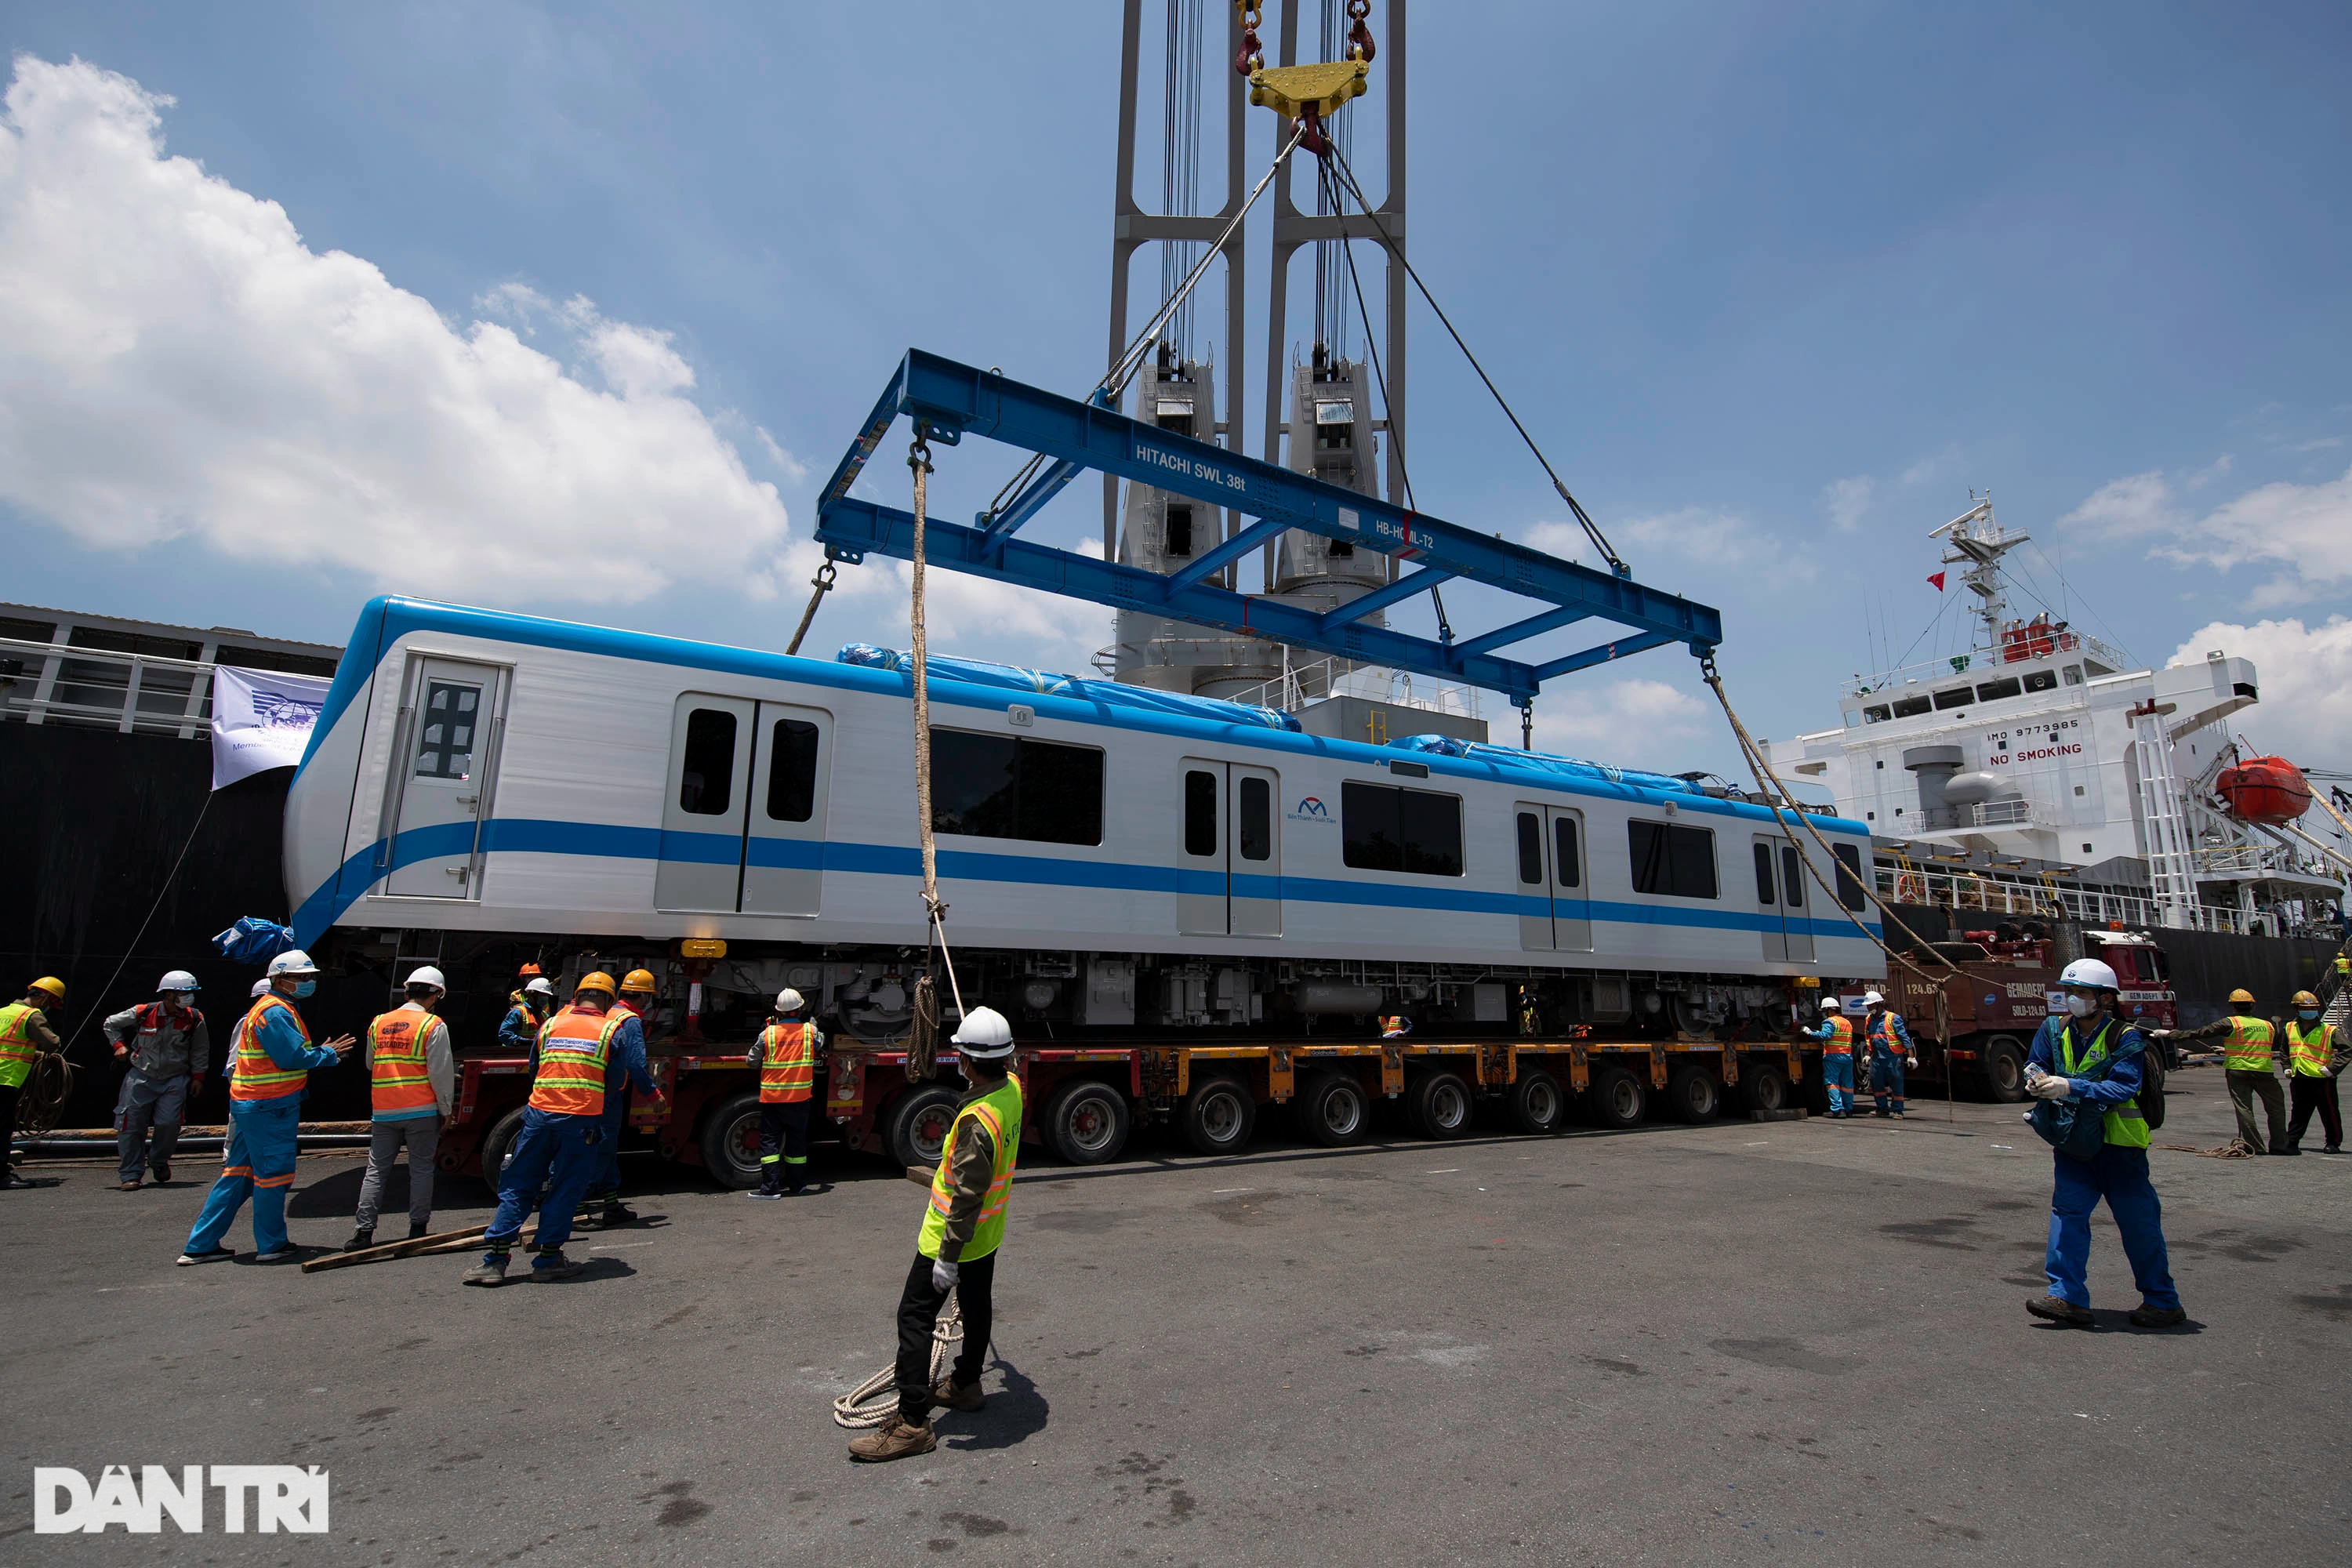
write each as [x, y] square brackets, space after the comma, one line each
[261, 721]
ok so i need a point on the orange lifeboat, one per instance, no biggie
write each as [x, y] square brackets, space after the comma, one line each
[2265, 789]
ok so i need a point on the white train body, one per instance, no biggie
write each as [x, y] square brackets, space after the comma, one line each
[475, 771]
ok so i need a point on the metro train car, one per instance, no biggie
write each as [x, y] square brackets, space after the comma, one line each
[1116, 860]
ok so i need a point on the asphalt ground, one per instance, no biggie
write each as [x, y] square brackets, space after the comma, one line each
[1737, 1342]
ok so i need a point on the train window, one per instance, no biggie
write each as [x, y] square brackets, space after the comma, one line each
[1256, 807]
[792, 770]
[1792, 876]
[1199, 813]
[1910, 707]
[1531, 867]
[1672, 861]
[996, 786]
[1848, 878]
[1564, 852]
[1764, 874]
[1385, 828]
[707, 779]
[444, 737]
[1177, 539]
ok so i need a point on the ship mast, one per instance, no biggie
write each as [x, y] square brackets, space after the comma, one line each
[1973, 538]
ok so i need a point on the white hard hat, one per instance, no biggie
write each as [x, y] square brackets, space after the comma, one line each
[789, 1001]
[292, 961]
[538, 985]
[985, 1034]
[178, 980]
[260, 989]
[2088, 971]
[427, 975]
[1833, 1005]
[1872, 998]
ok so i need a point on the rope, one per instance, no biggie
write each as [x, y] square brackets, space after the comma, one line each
[875, 1401]
[44, 1094]
[921, 1060]
[2235, 1149]
[822, 582]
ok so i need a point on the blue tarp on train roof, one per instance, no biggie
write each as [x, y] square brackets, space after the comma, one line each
[1047, 683]
[1545, 762]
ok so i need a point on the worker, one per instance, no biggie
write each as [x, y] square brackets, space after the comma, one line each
[1890, 1052]
[561, 1125]
[2093, 1057]
[168, 1046]
[1395, 1026]
[1835, 1033]
[270, 1070]
[958, 1246]
[785, 1054]
[2315, 1059]
[24, 1036]
[412, 1086]
[2248, 1045]
[600, 1208]
[237, 1031]
[527, 1008]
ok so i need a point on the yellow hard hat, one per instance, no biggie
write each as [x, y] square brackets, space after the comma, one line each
[2305, 999]
[595, 980]
[2236, 998]
[50, 983]
[637, 980]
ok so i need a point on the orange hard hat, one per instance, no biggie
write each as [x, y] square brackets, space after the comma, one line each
[637, 980]
[527, 971]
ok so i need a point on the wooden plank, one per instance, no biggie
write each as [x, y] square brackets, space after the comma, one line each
[408, 1248]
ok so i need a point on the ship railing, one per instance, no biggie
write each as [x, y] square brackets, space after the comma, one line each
[1300, 685]
[94, 688]
[1998, 896]
[2006, 814]
[1983, 661]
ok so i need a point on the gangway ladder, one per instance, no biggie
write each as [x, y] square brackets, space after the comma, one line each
[403, 962]
[2172, 868]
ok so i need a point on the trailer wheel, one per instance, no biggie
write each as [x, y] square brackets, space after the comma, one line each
[730, 1140]
[2004, 1070]
[1218, 1117]
[920, 1123]
[1537, 1103]
[1766, 1087]
[497, 1143]
[1620, 1100]
[1439, 1104]
[1332, 1110]
[1694, 1095]
[1087, 1123]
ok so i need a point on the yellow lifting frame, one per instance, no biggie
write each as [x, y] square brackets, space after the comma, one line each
[1296, 91]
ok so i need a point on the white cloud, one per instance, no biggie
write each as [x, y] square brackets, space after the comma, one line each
[1634, 723]
[791, 467]
[2218, 468]
[2139, 504]
[1718, 542]
[2304, 675]
[2304, 529]
[1847, 499]
[1565, 540]
[174, 360]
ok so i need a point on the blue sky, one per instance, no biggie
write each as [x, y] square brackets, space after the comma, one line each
[1775, 286]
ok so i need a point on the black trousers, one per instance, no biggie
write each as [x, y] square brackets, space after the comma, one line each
[8, 1127]
[918, 1310]
[784, 1146]
[2313, 1094]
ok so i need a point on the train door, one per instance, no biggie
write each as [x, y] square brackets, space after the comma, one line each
[1766, 856]
[783, 852]
[1780, 892]
[1229, 864]
[1552, 874]
[704, 807]
[446, 745]
[1796, 896]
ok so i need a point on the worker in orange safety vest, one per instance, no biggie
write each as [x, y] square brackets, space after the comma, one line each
[785, 1054]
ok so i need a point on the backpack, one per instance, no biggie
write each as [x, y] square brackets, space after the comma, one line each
[2059, 1123]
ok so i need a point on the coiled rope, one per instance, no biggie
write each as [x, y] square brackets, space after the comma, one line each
[875, 1401]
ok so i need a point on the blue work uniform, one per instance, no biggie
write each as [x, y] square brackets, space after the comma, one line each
[604, 1180]
[557, 1151]
[2117, 1173]
[518, 1030]
[259, 1162]
[1890, 1044]
[1837, 1066]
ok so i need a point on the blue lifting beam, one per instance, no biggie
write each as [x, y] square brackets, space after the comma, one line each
[950, 400]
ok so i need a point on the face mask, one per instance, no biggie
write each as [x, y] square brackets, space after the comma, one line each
[304, 987]
[2310, 1016]
[2082, 1007]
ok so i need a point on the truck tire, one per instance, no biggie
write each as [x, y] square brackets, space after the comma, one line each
[1439, 1105]
[730, 1140]
[1619, 1100]
[2003, 1060]
[919, 1120]
[1332, 1110]
[1536, 1104]
[1218, 1117]
[1765, 1086]
[497, 1143]
[1087, 1123]
[1694, 1094]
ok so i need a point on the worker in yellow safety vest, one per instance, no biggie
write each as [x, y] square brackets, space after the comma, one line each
[958, 1246]
[1395, 1026]
[2314, 1058]
[412, 1089]
[2249, 1044]
[785, 1054]
[24, 1036]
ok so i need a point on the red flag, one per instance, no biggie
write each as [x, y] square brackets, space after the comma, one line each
[1938, 580]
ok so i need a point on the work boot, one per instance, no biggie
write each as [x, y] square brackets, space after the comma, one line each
[768, 1194]
[163, 1174]
[12, 1181]
[361, 1240]
[286, 1254]
[552, 1265]
[419, 1229]
[2289, 1148]
[490, 1271]
[2061, 1312]
[894, 1440]
[217, 1255]
[967, 1397]
[616, 1213]
[131, 1186]
[2147, 1317]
